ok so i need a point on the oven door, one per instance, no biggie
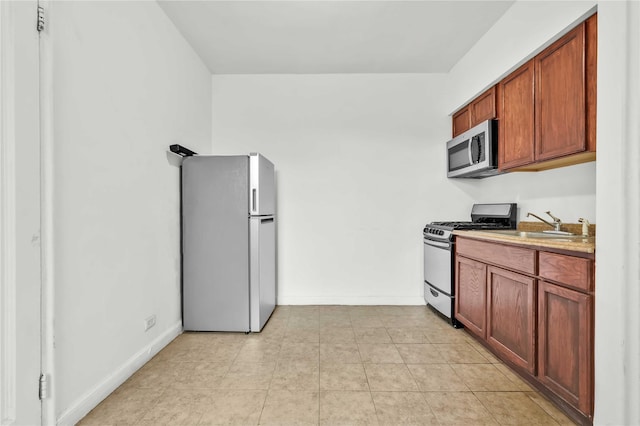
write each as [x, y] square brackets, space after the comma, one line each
[438, 259]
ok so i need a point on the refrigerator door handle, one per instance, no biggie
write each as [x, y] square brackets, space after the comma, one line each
[253, 199]
[266, 220]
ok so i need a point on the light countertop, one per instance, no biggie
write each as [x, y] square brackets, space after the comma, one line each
[577, 244]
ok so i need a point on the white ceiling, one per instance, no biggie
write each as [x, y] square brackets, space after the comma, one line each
[315, 37]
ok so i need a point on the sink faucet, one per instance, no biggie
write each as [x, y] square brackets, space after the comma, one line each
[585, 226]
[556, 221]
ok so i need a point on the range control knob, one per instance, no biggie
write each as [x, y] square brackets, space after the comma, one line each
[441, 232]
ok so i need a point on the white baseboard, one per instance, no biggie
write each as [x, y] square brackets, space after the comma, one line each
[93, 397]
[351, 300]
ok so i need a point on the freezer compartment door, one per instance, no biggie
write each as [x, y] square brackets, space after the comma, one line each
[262, 188]
[262, 244]
[215, 243]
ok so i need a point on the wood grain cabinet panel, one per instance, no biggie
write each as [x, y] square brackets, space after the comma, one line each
[591, 39]
[540, 321]
[478, 110]
[483, 107]
[514, 258]
[511, 302]
[560, 107]
[565, 344]
[516, 123]
[547, 107]
[461, 121]
[471, 294]
[572, 271]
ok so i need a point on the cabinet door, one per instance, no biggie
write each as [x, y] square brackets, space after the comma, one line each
[560, 97]
[483, 107]
[516, 124]
[461, 121]
[511, 316]
[565, 344]
[471, 292]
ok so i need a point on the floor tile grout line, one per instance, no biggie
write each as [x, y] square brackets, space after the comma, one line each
[166, 389]
[280, 337]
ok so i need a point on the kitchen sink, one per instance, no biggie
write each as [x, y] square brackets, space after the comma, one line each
[543, 234]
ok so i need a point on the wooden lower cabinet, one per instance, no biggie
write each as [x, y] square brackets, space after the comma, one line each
[511, 302]
[471, 294]
[565, 345]
[534, 309]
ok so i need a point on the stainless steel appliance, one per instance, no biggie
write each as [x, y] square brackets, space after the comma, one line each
[229, 246]
[439, 243]
[474, 153]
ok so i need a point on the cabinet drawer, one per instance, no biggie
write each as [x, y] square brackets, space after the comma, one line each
[573, 271]
[514, 258]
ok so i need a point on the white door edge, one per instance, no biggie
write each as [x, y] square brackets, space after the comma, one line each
[7, 220]
[46, 214]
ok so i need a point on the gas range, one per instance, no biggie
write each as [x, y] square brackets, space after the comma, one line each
[439, 252]
[483, 216]
[444, 230]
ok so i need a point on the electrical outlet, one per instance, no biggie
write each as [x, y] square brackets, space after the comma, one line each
[149, 322]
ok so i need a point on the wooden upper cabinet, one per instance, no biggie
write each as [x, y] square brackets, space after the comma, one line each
[591, 39]
[560, 107]
[547, 107]
[516, 124]
[461, 121]
[483, 107]
[478, 110]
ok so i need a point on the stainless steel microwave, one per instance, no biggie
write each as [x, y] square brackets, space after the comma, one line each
[474, 153]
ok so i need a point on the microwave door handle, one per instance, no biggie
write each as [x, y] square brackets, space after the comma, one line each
[469, 150]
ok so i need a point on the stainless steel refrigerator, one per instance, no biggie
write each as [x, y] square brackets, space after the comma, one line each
[228, 242]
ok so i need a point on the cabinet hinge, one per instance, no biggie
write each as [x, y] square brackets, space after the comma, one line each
[43, 388]
[40, 24]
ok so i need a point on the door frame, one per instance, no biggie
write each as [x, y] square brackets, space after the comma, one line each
[13, 16]
[8, 334]
[20, 215]
[47, 299]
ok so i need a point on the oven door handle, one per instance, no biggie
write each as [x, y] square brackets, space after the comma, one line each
[446, 246]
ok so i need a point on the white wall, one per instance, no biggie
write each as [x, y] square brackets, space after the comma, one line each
[568, 192]
[348, 144]
[358, 159]
[126, 85]
[617, 334]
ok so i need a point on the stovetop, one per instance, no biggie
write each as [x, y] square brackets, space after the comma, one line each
[444, 230]
[484, 216]
[471, 225]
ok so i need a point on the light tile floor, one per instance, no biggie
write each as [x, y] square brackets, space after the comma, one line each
[328, 365]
